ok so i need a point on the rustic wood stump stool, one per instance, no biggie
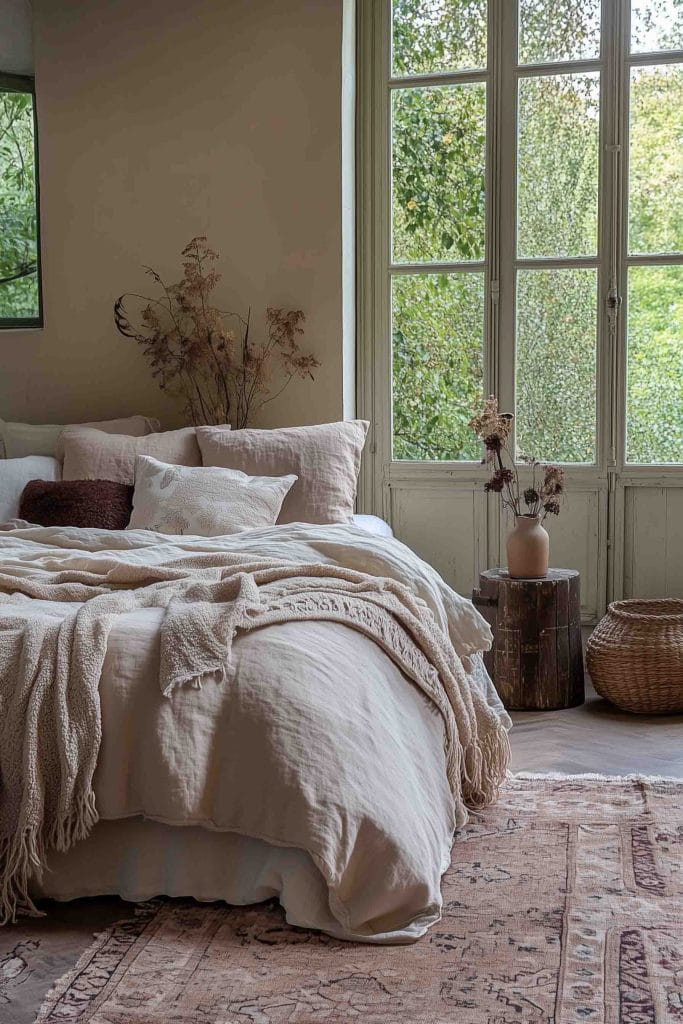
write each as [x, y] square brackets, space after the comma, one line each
[536, 661]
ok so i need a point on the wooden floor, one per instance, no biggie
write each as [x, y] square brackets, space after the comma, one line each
[596, 737]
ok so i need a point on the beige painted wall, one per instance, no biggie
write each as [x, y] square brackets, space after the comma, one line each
[159, 121]
[16, 49]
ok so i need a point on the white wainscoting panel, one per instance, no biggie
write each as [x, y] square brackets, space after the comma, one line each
[446, 521]
[653, 535]
[578, 540]
[445, 525]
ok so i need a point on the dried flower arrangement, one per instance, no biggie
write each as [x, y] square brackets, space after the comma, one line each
[221, 374]
[543, 497]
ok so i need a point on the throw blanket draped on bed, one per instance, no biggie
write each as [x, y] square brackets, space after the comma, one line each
[50, 729]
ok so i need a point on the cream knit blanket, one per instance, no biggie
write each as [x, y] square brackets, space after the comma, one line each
[50, 728]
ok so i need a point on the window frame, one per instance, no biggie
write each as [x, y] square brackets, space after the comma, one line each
[625, 259]
[10, 82]
[611, 261]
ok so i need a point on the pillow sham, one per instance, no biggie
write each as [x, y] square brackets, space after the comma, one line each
[16, 473]
[89, 504]
[18, 440]
[205, 502]
[325, 458]
[92, 455]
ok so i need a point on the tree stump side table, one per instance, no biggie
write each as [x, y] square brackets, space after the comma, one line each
[536, 661]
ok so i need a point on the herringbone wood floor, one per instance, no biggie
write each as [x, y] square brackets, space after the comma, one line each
[596, 737]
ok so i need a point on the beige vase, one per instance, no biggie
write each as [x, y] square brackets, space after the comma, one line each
[528, 548]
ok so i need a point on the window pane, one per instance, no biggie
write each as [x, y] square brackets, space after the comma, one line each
[654, 423]
[439, 158]
[438, 343]
[557, 203]
[656, 160]
[556, 360]
[552, 30]
[438, 35]
[18, 221]
[656, 25]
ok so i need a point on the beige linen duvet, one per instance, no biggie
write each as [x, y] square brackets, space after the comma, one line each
[312, 734]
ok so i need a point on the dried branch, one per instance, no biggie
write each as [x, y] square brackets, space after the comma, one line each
[495, 428]
[219, 373]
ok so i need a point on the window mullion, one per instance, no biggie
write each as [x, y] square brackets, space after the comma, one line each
[619, 36]
[610, 289]
[506, 188]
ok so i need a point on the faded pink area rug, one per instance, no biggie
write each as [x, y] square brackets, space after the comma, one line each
[562, 906]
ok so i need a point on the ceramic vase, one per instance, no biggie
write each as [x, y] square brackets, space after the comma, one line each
[528, 549]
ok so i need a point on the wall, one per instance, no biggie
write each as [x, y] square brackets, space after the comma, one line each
[159, 121]
[16, 52]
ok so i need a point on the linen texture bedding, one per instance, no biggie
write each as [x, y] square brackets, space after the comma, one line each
[121, 854]
[335, 767]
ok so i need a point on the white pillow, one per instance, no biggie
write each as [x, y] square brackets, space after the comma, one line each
[203, 501]
[16, 473]
[20, 439]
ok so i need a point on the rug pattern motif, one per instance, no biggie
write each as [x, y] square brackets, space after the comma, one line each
[562, 906]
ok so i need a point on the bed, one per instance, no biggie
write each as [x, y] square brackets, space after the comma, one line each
[314, 769]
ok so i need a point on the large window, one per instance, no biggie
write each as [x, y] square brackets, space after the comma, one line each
[20, 299]
[438, 246]
[653, 226]
[528, 231]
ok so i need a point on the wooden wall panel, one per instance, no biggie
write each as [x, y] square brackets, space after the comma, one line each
[578, 540]
[653, 541]
[446, 526]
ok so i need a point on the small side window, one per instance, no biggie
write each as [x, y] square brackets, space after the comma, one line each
[20, 286]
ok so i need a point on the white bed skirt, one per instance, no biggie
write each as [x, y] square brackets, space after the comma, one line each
[138, 859]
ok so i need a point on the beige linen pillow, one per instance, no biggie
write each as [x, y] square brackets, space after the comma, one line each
[93, 455]
[325, 458]
[203, 502]
[17, 440]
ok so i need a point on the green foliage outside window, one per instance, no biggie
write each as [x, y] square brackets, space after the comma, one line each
[19, 286]
[438, 213]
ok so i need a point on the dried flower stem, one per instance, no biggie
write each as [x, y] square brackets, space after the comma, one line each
[494, 429]
[221, 375]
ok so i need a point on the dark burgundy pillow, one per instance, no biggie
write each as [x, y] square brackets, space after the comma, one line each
[92, 504]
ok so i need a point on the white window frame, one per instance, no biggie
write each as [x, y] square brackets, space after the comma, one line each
[612, 260]
[610, 473]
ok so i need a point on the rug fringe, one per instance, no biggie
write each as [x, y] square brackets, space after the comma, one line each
[596, 777]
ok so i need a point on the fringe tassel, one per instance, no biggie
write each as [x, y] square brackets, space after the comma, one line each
[22, 856]
[222, 671]
[81, 818]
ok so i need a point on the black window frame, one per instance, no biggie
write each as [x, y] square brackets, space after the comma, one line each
[26, 83]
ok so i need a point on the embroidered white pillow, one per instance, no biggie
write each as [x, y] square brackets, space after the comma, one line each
[204, 502]
[16, 473]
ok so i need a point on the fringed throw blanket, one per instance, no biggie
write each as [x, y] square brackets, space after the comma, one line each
[50, 668]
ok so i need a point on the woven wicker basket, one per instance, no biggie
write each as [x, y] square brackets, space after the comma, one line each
[635, 656]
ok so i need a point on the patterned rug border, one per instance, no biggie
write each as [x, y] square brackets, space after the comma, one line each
[140, 913]
[62, 984]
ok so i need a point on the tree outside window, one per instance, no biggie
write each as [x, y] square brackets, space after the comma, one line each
[20, 294]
